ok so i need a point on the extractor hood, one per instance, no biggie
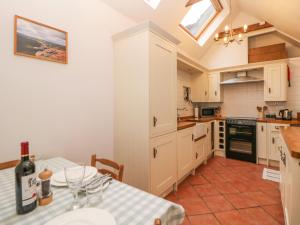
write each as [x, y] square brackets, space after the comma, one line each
[242, 77]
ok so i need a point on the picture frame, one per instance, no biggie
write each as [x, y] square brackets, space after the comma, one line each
[36, 40]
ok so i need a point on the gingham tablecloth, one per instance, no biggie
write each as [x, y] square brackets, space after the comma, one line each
[128, 205]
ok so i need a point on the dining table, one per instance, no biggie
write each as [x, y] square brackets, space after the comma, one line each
[128, 205]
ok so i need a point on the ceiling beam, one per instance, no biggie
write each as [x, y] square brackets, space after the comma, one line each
[251, 28]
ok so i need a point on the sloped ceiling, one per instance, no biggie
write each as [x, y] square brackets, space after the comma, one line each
[283, 14]
[168, 16]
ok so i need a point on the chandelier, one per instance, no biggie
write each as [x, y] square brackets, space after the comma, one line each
[230, 35]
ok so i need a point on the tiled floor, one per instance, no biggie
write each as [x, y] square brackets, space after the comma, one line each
[229, 192]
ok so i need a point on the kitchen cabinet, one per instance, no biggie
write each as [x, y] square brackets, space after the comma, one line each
[273, 139]
[163, 163]
[185, 151]
[275, 87]
[145, 92]
[163, 78]
[199, 151]
[200, 87]
[289, 184]
[261, 140]
[214, 88]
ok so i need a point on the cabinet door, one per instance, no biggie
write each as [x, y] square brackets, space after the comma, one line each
[163, 81]
[273, 146]
[185, 152]
[208, 145]
[163, 163]
[214, 88]
[200, 88]
[275, 76]
[199, 151]
[261, 140]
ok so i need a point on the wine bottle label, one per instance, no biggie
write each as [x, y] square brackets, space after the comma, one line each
[29, 189]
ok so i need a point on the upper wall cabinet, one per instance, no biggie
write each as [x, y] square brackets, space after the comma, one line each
[275, 76]
[214, 88]
[200, 88]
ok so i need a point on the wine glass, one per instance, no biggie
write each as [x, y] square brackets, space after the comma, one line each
[74, 178]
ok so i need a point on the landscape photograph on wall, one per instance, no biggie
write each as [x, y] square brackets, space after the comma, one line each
[40, 41]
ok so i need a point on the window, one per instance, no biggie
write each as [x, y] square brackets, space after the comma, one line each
[153, 3]
[200, 15]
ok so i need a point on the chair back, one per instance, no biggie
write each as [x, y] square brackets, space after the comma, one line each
[13, 163]
[9, 164]
[109, 163]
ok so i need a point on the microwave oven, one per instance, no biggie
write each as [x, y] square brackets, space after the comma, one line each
[207, 111]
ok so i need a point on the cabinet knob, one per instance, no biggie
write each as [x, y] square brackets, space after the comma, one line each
[262, 128]
[192, 137]
[205, 93]
[196, 155]
[154, 121]
[269, 90]
[216, 93]
[154, 153]
[273, 140]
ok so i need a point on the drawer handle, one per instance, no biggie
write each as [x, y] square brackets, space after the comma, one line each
[154, 153]
[262, 128]
[196, 155]
[277, 127]
[216, 93]
[269, 90]
[273, 140]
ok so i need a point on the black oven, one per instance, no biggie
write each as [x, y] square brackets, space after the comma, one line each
[241, 139]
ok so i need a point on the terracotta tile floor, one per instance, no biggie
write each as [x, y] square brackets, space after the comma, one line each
[229, 192]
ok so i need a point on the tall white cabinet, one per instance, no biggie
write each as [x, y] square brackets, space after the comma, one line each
[145, 107]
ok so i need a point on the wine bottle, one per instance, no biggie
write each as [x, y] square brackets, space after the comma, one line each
[26, 194]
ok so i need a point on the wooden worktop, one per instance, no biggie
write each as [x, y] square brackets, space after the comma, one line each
[291, 136]
[267, 120]
[184, 124]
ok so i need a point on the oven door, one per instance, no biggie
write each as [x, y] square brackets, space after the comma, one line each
[241, 142]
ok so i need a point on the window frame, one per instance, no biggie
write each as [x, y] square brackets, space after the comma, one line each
[218, 11]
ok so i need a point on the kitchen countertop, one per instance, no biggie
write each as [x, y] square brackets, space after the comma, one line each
[184, 124]
[267, 120]
[291, 136]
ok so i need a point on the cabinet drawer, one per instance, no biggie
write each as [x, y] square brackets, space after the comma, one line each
[275, 126]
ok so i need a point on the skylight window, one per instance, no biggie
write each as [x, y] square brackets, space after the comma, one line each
[153, 3]
[200, 15]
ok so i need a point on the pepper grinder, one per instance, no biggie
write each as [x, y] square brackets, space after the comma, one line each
[45, 193]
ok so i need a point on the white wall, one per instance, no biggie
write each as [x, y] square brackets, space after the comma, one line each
[184, 79]
[63, 110]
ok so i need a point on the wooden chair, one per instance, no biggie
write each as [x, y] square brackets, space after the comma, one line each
[13, 163]
[109, 163]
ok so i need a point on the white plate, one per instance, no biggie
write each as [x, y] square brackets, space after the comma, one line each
[59, 177]
[86, 216]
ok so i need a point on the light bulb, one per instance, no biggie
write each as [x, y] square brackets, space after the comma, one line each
[217, 36]
[245, 28]
[225, 40]
[226, 29]
[240, 37]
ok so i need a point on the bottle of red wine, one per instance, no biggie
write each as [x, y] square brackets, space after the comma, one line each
[26, 194]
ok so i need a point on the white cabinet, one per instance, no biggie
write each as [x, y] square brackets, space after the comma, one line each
[275, 76]
[289, 185]
[163, 78]
[261, 140]
[273, 139]
[145, 87]
[214, 88]
[185, 151]
[199, 151]
[200, 87]
[163, 163]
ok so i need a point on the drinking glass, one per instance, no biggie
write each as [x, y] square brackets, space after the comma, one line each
[74, 177]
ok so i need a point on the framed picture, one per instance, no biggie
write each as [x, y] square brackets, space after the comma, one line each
[36, 40]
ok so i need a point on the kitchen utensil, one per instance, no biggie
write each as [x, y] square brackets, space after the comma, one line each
[86, 216]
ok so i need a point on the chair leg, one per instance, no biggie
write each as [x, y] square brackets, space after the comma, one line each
[157, 222]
